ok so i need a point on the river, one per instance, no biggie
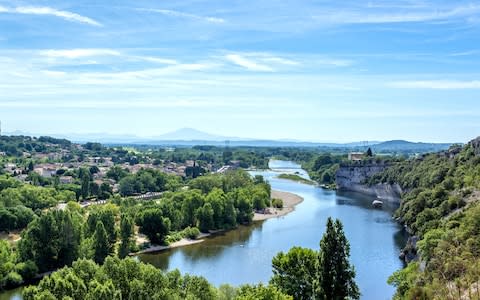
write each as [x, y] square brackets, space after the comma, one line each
[244, 255]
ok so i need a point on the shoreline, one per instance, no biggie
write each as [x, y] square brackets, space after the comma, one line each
[290, 200]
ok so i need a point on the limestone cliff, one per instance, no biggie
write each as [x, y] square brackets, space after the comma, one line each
[353, 177]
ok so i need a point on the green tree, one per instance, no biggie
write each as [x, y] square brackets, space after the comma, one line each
[295, 272]
[260, 292]
[336, 275]
[85, 187]
[205, 217]
[154, 225]
[369, 152]
[126, 232]
[105, 214]
[101, 245]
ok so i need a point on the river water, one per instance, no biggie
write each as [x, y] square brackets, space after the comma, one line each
[244, 255]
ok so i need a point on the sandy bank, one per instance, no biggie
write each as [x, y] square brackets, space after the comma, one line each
[181, 243]
[289, 202]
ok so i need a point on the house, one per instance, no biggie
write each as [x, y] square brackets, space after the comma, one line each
[66, 179]
[46, 171]
[355, 156]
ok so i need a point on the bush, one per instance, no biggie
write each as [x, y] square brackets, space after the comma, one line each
[27, 269]
[173, 237]
[277, 203]
[191, 232]
[13, 279]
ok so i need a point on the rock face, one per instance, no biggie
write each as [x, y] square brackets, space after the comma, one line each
[476, 145]
[353, 177]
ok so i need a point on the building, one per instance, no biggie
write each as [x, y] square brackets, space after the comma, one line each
[66, 179]
[356, 156]
[46, 171]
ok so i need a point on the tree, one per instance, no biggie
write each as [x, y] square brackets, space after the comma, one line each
[369, 152]
[335, 274]
[205, 217]
[294, 272]
[154, 225]
[101, 245]
[126, 232]
[105, 214]
[30, 166]
[8, 221]
[85, 188]
[127, 186]
[260, 292]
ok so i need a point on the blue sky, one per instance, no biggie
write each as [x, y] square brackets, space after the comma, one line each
[308, 70]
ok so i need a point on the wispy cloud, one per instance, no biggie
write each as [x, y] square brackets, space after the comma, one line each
[248, 63]
[424, 15]
[179, 14]
[79, 53]
[436, 84]
[48, 11]
[158, 60]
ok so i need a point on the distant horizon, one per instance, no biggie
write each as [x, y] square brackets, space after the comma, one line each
[218, 138]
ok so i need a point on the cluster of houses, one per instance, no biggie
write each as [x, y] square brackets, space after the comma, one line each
[47, 165]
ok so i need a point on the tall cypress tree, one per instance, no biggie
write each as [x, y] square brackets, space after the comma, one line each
[101, 246]
[335, 274]
[126, 232]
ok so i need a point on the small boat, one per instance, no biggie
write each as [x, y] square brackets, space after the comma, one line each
[377, 203]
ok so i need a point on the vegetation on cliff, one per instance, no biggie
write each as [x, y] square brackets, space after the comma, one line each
[441, 207]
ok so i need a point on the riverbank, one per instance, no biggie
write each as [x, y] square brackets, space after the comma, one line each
[290, 200]
[297, 178]
[181, 243]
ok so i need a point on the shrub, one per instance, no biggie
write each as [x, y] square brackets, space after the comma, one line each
[13, 279]
[191, 232]
[277, 203]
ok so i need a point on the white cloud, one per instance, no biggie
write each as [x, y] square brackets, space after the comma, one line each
[165, 61]
[247, 63]
[280, 60]
[174, 13]
[79, 53]
[380, 17]
[436, 84]
[48, 11]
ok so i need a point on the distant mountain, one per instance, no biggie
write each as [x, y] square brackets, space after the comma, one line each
[401, 145]
[190, 134]
[190, 137]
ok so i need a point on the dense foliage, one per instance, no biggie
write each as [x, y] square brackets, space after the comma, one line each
[129, 279]
[298, 274]
[326, 274]
[213, 202]
[440, 206]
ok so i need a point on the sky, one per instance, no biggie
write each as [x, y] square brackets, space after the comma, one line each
[308, 70]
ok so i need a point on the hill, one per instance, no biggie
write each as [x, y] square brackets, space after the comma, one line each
[406, 146]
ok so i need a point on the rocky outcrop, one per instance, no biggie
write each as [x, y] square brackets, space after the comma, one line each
[475, 145]
[410, 252]
[353, 177]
